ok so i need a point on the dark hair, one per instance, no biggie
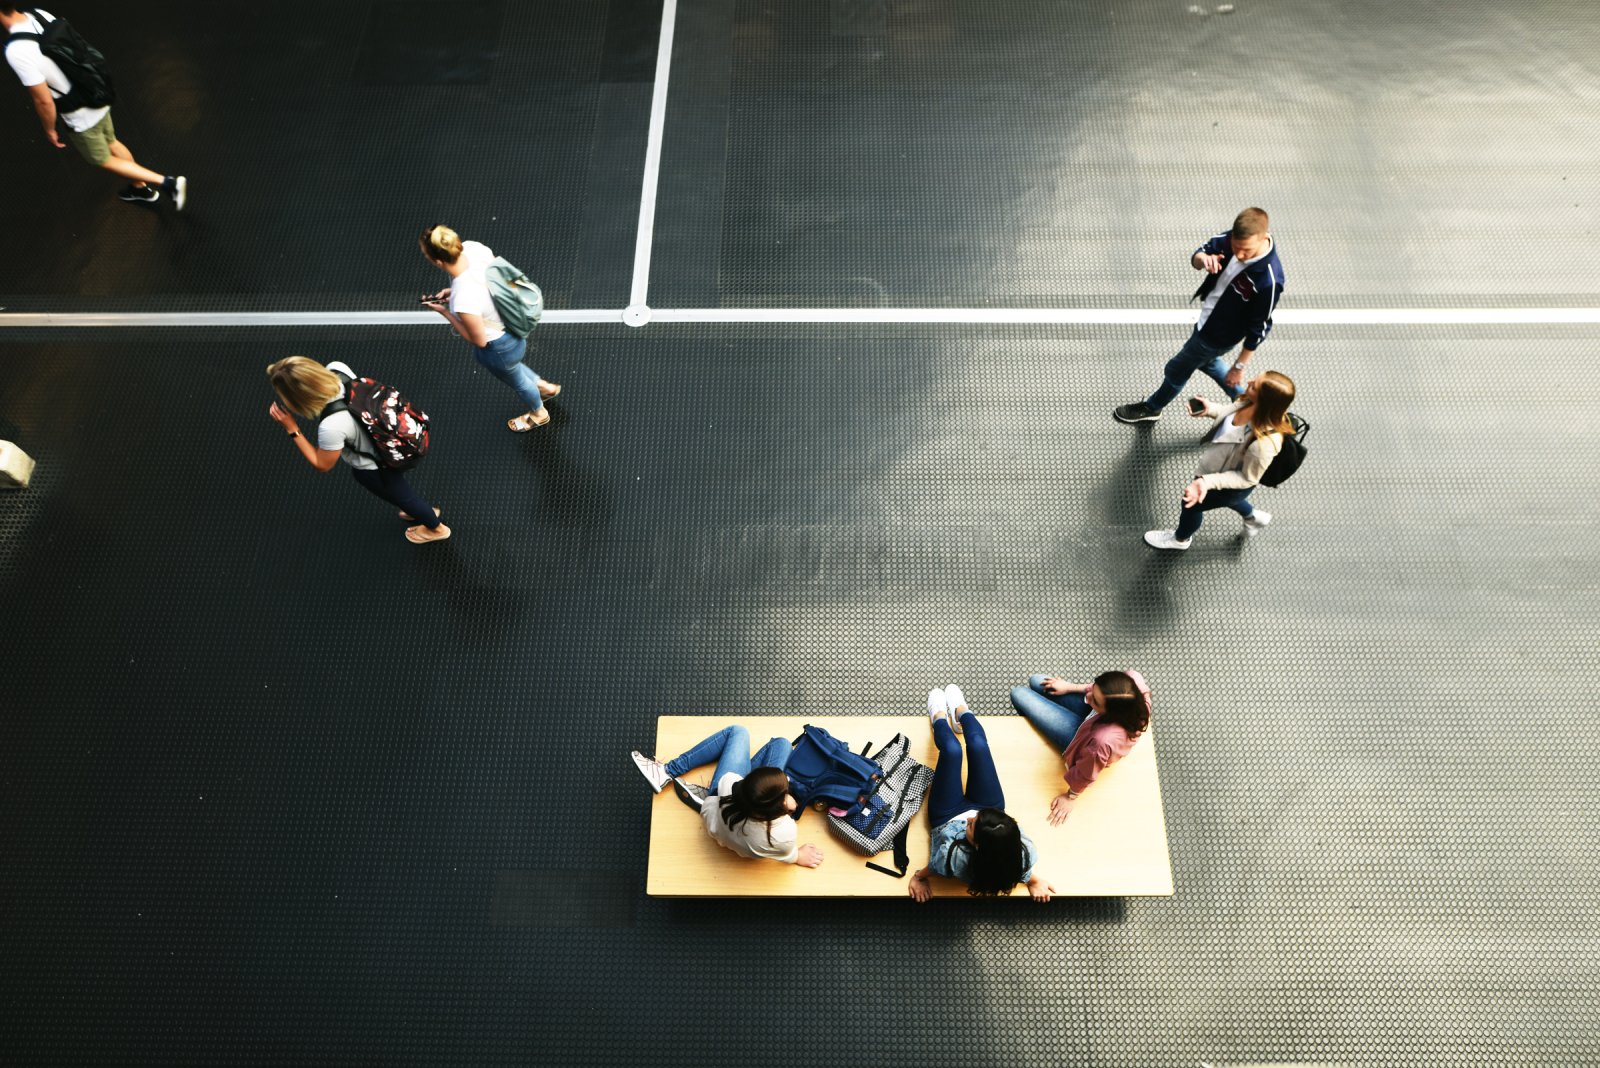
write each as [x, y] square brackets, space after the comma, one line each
[1249, 223]
[994, 856]
[758, 796]
[1125, 704]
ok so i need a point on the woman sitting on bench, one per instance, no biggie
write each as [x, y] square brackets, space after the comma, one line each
[1092, 726]
[748, 810]
[973, 839]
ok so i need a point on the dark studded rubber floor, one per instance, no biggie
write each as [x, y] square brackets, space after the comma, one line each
[278, 788]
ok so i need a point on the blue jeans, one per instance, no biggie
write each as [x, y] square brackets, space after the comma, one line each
[502, 358]
[946, 800]
[1057, 717]
[1193, 515]
[730, 748]
[392, 486]
[1196, 355]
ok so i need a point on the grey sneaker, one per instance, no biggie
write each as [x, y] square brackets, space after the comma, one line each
[139, 194]
[1256, 521]
[691, 793]
[653, 770]
[1139, 412]
[1165, 539]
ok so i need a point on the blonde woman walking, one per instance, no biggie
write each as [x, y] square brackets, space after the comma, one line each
[467, 305]
[1240, 446]
[308, 389]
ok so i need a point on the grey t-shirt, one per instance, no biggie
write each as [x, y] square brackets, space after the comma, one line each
[341, 431]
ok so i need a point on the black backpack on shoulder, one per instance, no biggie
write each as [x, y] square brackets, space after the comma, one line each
[1290, 456]
[82, 63]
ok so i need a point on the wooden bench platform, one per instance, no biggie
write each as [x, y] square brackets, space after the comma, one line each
[1113, 845]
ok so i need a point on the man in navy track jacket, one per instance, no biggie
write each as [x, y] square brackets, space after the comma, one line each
[1244, 279]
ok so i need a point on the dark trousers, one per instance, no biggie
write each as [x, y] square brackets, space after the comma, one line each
[946, 800]
[393, 487]
[1194, 514]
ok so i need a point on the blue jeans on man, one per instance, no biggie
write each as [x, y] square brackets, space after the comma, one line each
[1197, 354]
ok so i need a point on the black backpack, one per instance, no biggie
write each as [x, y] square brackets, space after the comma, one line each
[1290, 456]
[397, 428]
[80, 61]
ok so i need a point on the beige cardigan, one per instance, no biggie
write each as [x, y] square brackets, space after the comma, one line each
[1236, 464]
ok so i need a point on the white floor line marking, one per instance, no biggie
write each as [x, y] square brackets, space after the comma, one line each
[638, 311]
[348, 318]
[864, 316]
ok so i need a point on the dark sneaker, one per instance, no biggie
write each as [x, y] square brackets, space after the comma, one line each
[139, 194]
[1135, 413]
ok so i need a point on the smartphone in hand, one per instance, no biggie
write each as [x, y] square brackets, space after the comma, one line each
[1197, 406]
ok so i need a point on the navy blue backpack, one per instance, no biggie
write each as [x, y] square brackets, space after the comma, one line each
[823, 769]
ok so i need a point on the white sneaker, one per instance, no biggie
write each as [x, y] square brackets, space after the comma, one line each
[937, 709]
[1256, 521]
[956, 702]
[1165, 539]
[653, 770]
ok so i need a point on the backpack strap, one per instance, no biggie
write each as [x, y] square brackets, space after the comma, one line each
[902, 856]
[342, 404]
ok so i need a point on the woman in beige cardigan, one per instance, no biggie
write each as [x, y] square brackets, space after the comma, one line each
[1240, 445]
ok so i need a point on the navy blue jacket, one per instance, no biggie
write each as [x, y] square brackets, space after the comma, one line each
[1244, 312]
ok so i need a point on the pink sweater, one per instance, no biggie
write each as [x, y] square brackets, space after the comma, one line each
[1098, 745]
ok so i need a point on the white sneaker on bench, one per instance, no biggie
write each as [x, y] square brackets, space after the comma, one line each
[956, 702]
[653, 770]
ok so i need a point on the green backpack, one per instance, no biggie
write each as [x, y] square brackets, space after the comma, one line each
[516, 299]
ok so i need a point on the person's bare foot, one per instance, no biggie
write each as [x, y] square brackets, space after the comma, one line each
[528, 420]
[420, 535]
[548, 389]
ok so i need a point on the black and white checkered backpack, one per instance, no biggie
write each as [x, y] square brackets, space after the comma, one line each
[885, 816]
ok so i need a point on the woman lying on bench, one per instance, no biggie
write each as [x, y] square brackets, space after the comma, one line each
[748, 810]
[973, 839]
[1092, 726]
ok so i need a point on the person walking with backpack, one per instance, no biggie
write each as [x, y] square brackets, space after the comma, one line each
[1091, 725]
[67, 78]
[973, 839]
[468, 305]
[1243, 441]
[1244, 279]
[750, 809]
[308, 389]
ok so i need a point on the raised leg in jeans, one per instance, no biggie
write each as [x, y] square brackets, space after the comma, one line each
[729, 747]
[775, 754]
[1194, 514]
[502, 358]
[393, 487]
[1057, 717]
[1196, 355]
[946, 800]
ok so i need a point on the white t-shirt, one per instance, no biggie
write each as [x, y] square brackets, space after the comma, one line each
[749, 839]
[1229, 432]
[36, 68]
[469, 293]
[341, 431]
[1229, 273]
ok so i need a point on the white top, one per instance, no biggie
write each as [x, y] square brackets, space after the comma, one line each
[341, 431]
[1229, 273]
[469, 293]
[1228, 432]
[749, 839]
[36, 68]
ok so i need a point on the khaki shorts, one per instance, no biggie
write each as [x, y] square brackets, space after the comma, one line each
[94, 144]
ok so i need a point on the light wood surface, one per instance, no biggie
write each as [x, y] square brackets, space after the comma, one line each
[1113, 845]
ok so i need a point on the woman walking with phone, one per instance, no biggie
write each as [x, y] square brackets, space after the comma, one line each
[1240, 446]
[467, 305]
